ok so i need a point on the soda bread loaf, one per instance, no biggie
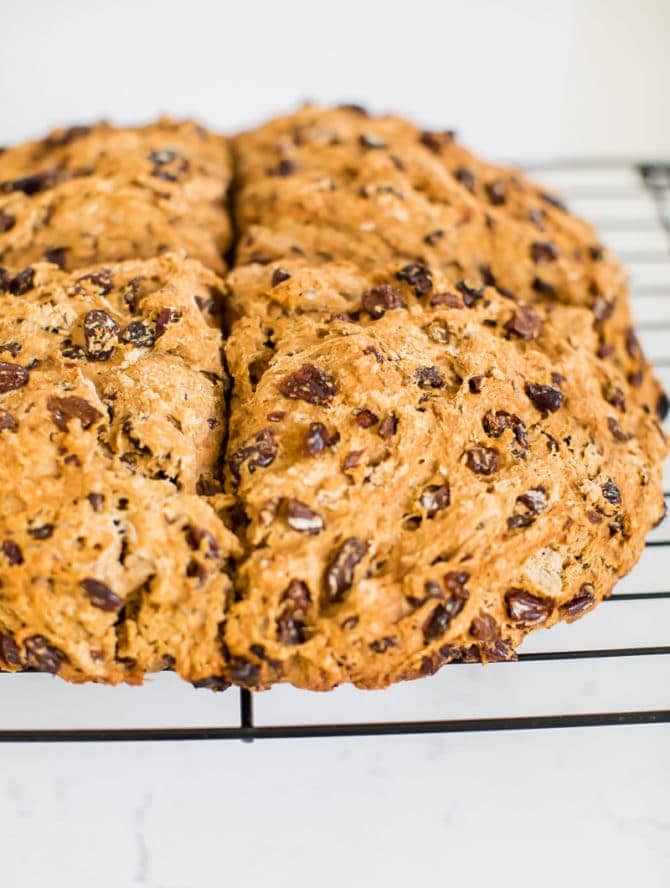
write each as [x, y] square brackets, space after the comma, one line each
[432, 431]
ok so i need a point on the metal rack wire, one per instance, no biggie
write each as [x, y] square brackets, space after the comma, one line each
[617, 198]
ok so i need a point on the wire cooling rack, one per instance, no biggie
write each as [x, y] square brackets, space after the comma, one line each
[611, 668]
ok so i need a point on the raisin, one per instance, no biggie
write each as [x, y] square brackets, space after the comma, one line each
[543, 252]
[296, 600]
[440, 618]
[43, 532]
[7, 221]
[466, 177]
[611, 492]
[495, 423]
[597, 253]
[12, 376]
[475, 384]
[525, 323]
[496, 192]
[662, 406]
[97, 501]
[482, 460]
[436, 141]
[22, 282]
[535, 499]
[471, 294]
[418, 276]
[527, 609]
[366, 419]
[196, 536]
[165, 317]
[484, 628]
[101, 279]
[100, 335]
[101, 596]
[543, 288]
[12, 347]
[437, 623]
[616, 430]
[318, 438]
[435, 498]
[287, 166]
[258, 452]
[553, 201]
[244, 672]
[388, 426]
[33, 184]
[7, 421]
[279, 275]
[301, 518]
[64, 409]
[9, 650]
[212, 683]
[12, 552]
[545, 398]
[352, 459]
[633, 345]
[429, 377]
[339, 574]
[41, 655]
[433, 237]
[310, 384]
[382, 298]
[139, 334]
[56, 255]
[583, 600]
[451, 300]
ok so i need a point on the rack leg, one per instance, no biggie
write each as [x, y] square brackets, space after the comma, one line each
[246, 712]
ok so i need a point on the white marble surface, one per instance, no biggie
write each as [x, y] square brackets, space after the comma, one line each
[552, 808]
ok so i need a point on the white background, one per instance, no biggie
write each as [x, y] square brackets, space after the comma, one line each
[518, 80]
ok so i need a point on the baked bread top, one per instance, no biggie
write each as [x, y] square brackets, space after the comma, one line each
[433, 430]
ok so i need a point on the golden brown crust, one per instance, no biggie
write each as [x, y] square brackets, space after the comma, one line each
[99, 194]
[438, 434]
[442, 432]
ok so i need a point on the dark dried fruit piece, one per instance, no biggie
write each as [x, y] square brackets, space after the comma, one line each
[388, 426]
[475, 384]
[101, 596]
[258, 452]
[611, 492]
[12, 552]
[7, 221]
[482, 460]
[64, 409]
[484, 628]
[437, 623]
[545, 398]
[165, 317]
[543, 252]
[196, 536]
[22, 282]
[318, 438]
[34, 183]
[244, 672]
[301, 518]
[42, 532]
[466, 177]
[382, 298]
[139, 334]
[440, 618]
[296, 601]
[101, 279]
[553, 201]
[279, 275]
[420, 277]
[101, 334]
[309, 383]
[495, 423]
[662, 406]
[471, 294]
[435, 142]
[366, 418]
[525, 323]
[7, 421]
[287, 166]
[212, 683]
[527, 609]
[352, 459]
[433, 237]
[429, 377]
[496, 192]
[56, 255]
[544, 288]
[534, 501]
[339, 574]
[41, 655]
[583, 600]
[9, 650]
[435, 498]
[616, 430]
[12, 376]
